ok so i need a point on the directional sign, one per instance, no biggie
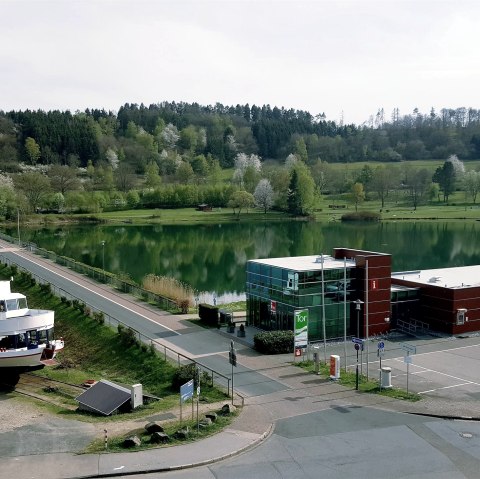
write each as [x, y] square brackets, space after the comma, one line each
[409, 348]
[186, 390]
[407, 359]
[357, 340]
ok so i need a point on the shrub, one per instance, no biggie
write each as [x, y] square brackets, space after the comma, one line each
[127, 336]
[274, 342]
[361, 216]
[184, 374]
[99, 317]
[183, 305]
[208, 314]
[45, 288]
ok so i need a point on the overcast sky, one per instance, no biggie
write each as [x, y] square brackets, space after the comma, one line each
[329, 56]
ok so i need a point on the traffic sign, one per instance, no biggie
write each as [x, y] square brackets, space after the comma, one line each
[358, 347]
[409, 348]
[232, 357]
[407, 359]
[381, 345]
[380, 353]
[357, 340]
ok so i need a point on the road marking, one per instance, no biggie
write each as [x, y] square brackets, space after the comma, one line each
[98, 294]
[445, 387]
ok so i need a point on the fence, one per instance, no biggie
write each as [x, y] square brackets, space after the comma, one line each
[167, 352]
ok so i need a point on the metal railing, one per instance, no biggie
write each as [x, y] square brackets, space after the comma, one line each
[167, 352]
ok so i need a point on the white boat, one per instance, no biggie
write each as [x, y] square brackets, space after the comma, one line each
[27, 340]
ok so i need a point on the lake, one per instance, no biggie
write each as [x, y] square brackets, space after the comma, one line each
[211, 258]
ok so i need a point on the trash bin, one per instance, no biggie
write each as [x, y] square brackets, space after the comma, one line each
[386, 378]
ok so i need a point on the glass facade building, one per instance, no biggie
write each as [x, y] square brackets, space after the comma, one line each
[276, 287]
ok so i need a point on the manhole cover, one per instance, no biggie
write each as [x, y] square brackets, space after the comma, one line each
[466, 435]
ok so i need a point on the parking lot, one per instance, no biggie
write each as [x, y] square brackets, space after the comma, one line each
[444, 368]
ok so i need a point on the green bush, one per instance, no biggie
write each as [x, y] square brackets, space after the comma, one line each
[184, 374]
[208, 314]
[274, 342]
[127, 336]
[45, 288]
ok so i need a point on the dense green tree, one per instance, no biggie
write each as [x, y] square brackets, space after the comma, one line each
[357, 194]
[152, 176]
[34, 187]
[33, 150]
[184, 173]
[301, 191]
[241, 200]
[445, 177]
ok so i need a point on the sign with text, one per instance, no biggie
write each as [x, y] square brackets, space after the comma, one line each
[273, 306]
[301, 328]
[186, 391]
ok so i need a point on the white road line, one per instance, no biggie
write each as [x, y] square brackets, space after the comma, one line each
[445, 387]
[100, 295]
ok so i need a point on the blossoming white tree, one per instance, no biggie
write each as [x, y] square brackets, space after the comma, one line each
[264, 195]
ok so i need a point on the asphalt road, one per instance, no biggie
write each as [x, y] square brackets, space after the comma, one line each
[356, 442]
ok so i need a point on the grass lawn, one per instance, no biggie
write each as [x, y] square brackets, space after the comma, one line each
[349, 379]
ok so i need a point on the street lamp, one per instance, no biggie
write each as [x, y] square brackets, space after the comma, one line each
[358, 304]
[103, 256]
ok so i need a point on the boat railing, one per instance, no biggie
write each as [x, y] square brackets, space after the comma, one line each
[168, 353]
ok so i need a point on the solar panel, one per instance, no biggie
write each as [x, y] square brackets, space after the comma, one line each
[104, 397]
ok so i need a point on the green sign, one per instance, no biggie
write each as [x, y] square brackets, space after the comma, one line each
[301, 328]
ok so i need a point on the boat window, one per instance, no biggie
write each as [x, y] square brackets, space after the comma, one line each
[2, 306]
[42, 337]
[21, 339]
[12, 304]
[32, 336]
[22, 303]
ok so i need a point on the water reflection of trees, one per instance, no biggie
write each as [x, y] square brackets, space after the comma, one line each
[212, 257]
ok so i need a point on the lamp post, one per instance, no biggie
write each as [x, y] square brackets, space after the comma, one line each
[358, 304]
[103, 258]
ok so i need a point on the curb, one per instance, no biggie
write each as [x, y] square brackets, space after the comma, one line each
[252, 445]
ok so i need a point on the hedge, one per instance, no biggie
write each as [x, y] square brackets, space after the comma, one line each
[274, 342]
[208, 314]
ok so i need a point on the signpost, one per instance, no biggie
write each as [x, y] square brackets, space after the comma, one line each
[380, 354]
[232, 358]
[358, 344]
[301, 330]
[186, 392]
[409, 349]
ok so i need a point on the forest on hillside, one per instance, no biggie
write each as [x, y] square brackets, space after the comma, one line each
[169, 132]
[177, 155]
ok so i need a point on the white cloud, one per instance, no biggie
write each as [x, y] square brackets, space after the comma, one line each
[318, 55]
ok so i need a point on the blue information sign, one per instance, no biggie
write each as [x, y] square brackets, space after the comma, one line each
[186, 391]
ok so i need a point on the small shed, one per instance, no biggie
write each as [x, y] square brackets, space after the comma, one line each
[106, 398]
[204, 207]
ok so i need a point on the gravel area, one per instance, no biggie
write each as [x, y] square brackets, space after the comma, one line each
[15, 413]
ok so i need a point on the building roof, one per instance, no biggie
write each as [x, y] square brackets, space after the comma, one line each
[451, 278]
[306, 263]
[105, 397]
